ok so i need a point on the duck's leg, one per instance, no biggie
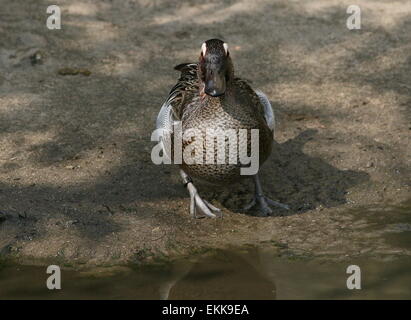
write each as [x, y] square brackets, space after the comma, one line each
[198, 207]
[261, 201]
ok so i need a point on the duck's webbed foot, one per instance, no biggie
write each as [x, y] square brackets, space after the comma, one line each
[199, 208]
[262, 205]
[261, 202]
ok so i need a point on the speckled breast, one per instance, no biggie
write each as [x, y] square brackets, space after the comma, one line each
[210, 131]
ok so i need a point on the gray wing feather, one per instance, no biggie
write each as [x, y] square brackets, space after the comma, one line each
[268, 110]
[164, 123]
[165, 116]
[170, 109]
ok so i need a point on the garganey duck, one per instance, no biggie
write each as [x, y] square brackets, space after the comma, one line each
[208, 97]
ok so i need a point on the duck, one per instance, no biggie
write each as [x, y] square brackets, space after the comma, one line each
[209, 97]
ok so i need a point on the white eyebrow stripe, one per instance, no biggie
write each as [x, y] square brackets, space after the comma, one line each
[225, 47]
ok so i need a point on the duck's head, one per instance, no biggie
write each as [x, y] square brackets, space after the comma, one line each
[215, 67]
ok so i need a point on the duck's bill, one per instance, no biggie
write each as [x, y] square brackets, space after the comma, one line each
[215, 85]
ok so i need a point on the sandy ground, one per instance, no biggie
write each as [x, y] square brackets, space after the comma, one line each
[77, 184]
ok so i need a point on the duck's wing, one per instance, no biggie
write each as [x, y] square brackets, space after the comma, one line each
[268, 109]
[171, 110]
[185, 88]
[260, 101]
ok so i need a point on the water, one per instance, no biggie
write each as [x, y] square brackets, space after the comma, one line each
[241, 273]
[251, 274]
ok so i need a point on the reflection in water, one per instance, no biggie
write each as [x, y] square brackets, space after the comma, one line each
[255, 273]
[224, 275]
[243, 273]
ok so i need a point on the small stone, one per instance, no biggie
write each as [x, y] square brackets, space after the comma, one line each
[369, 164]
[36, 58]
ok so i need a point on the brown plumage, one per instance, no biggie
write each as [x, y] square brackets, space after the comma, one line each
[208, 96]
